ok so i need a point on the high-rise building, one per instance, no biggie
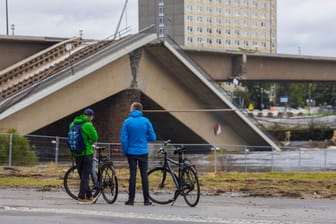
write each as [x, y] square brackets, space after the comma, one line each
[214, 24]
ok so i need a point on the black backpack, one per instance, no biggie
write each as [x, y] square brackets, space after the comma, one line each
[75, 139]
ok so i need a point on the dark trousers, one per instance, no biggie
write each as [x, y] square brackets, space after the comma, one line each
[133, 162]
[84, 167]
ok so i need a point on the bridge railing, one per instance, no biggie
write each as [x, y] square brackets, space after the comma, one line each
[56, 66]
[44, 150]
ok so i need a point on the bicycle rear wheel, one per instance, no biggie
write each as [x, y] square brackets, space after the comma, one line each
[161, 185]
[109, 184]
[190, 188]
[71, 183]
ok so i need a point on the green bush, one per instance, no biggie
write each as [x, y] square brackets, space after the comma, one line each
[22, 152]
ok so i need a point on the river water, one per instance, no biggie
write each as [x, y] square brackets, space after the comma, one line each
[298, 158]
[289, 160]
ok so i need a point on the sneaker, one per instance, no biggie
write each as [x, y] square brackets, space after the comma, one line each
[129, 203]
[147, 203]
[85, 201]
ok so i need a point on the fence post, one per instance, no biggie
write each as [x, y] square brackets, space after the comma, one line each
[10, 150]
[215, 158]
[272, 162]
[56, 151]
[300, 158]
[325, 158]
[246, 151]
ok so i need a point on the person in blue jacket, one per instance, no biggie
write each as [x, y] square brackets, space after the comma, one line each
[136, 132]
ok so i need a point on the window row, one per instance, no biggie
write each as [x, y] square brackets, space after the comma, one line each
[228, 42]
[228, 21]
[238, 13]
[228, 32]
[227, 11]
[246, 3]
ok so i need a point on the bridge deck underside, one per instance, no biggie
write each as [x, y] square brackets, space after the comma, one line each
[173, 86]
[224, 66]
[165, 81]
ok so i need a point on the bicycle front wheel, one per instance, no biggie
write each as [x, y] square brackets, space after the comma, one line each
[190, 188]
[161, 185]
[71, 183]
[109, 184]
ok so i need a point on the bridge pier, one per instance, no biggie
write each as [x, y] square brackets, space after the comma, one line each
[112, 112]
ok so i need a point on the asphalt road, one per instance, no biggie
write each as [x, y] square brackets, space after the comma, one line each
[29, 206]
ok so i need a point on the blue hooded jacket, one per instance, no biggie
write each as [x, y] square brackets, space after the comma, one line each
[136, 132]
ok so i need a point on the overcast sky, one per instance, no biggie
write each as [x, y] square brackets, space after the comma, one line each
[304, 26]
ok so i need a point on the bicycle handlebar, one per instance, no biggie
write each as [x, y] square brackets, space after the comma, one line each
[162, 147]
[179, 150]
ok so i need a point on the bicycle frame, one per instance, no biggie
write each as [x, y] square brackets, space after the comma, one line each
[102, 163]
[176, 178]
[166, 183]
[101, 160]
[103, 176]
[167, 164]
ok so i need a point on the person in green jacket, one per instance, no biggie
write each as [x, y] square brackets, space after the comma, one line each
[84, 160]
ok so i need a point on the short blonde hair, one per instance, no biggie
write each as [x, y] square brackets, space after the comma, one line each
[136, 106]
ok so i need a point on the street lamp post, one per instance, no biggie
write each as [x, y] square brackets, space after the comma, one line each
[309, 98]
[13, 28]
[7, 28]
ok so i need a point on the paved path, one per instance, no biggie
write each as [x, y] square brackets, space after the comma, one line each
[36, 207]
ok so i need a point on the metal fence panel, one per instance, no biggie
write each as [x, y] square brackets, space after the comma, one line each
[208, 158]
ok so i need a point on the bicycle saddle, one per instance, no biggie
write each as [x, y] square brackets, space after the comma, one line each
[180, 150]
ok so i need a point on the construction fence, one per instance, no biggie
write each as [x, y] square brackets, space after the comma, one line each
[35, 150]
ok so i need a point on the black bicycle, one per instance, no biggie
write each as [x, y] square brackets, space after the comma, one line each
[103, 179]
[165, 185]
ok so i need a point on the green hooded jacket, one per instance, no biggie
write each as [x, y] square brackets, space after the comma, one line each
[89, 133]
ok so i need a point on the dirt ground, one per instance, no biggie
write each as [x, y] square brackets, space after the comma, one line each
[51, 178]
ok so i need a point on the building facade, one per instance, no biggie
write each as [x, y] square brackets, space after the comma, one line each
[214, 24]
